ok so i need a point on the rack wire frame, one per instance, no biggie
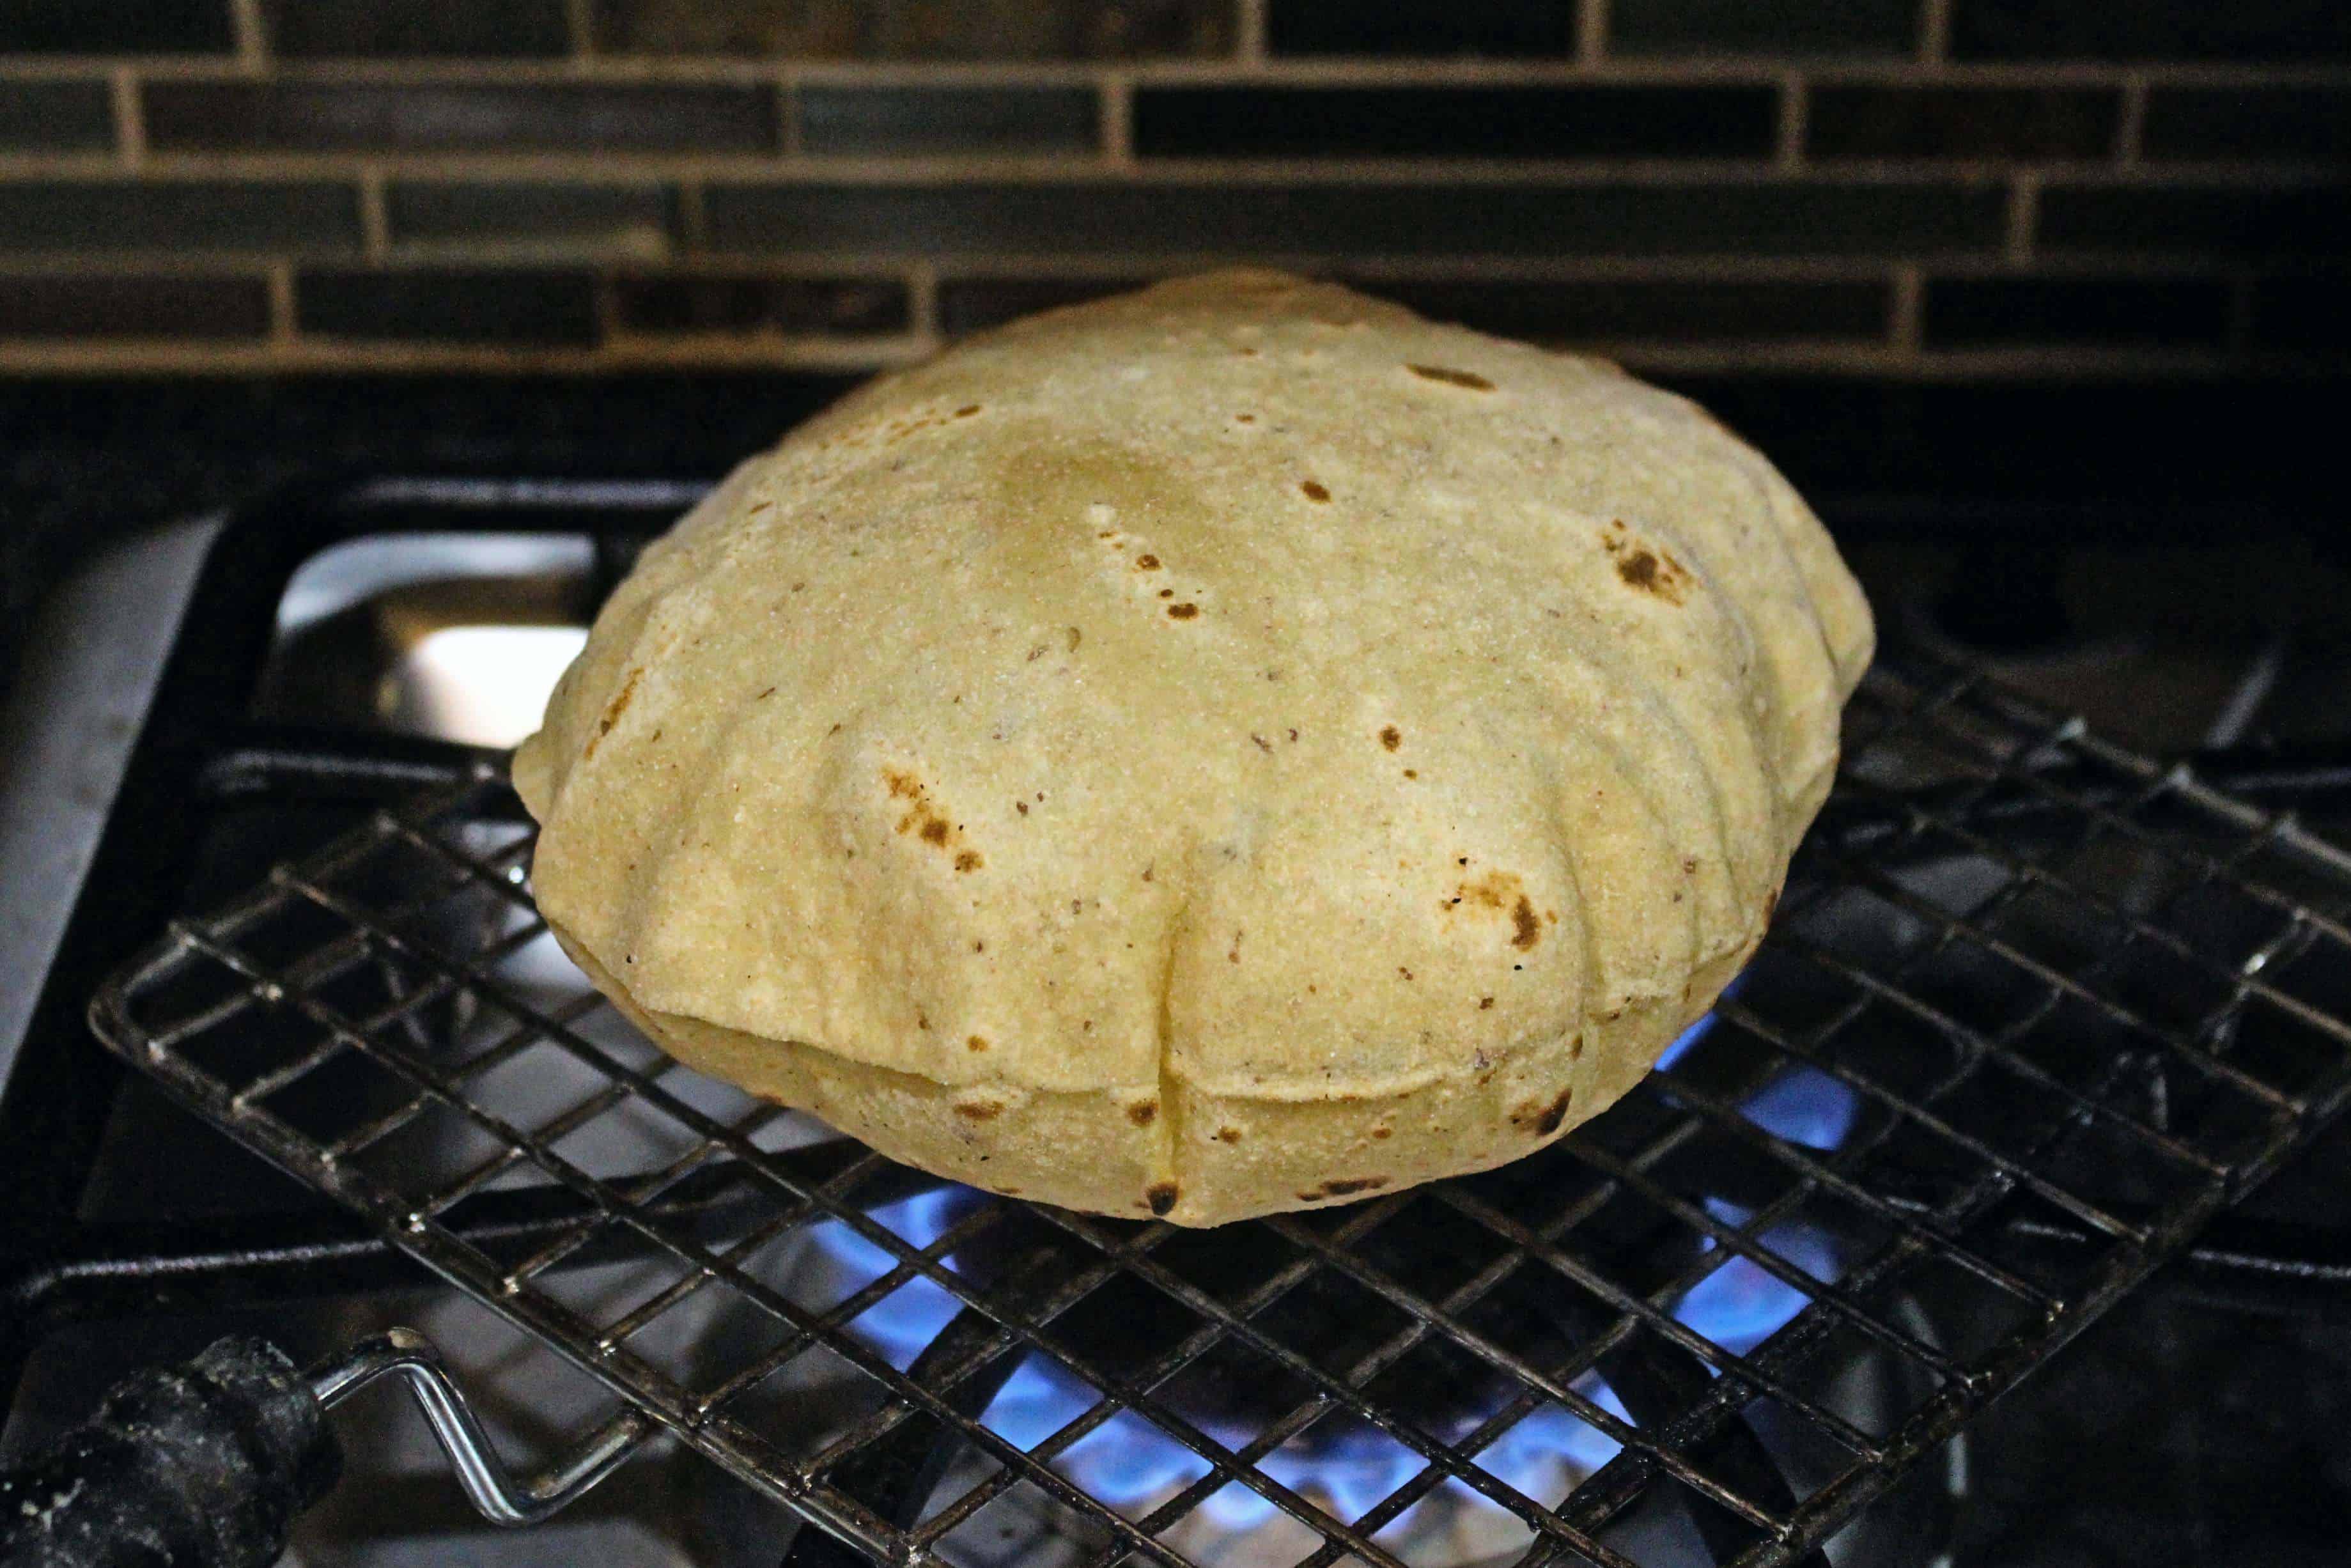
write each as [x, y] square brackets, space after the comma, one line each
[2074, 1002]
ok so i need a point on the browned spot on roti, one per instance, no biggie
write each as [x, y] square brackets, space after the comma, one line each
[1161, 1195]
[1383, 1133]
[1341, 1186]
[979, 1109]
[1652, 570]
[1182, 612]
[1228, 1134]
[923, 820]
[1391, 737]
[763, 696]
[967, 411]
[1452, 377]
[1143, 1113]
[1541, 1118]
[976, 1042]
[1527, 930]
[612, 714]
[1485, 1003]
[1146, 563]
[1315, 492]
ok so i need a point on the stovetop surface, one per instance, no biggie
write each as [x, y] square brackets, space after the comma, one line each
[2232, 1400]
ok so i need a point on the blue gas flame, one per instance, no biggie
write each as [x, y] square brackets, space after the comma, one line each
[1341, 1465]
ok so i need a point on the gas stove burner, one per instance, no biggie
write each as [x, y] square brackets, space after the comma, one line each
[2033, 1011]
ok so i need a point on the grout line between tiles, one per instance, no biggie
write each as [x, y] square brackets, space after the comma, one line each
[1592, 32]
[1116, 104]
[1934, 31]
[130, 125]
[252, 32]
[283, 321]
[1795, 108]
[1249, 32]
[375, 215]
[2023, 216]
[2130, 132]
[1907, 307]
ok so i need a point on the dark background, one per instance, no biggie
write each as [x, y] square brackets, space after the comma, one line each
[1921, 251]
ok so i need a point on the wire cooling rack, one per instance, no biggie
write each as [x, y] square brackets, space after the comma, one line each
[2033, 1009]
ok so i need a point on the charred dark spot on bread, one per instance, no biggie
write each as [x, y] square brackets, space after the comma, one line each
[1527, 929]
[1452, 377]
[1146, 563]
[1541, 1118]
[1343, 1187]
[1182, 612]
[979, 1109]
[976, 1042]
[922, 819]
[1650, 570]
[1161, 1196]
[1228, 1134]
[1315, 491]
[1143, 1113]
[620, 704]
[1391, 736]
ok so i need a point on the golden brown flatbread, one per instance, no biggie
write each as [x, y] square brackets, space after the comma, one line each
[1233, 747]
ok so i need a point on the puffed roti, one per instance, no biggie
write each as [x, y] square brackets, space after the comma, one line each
[1232, 747]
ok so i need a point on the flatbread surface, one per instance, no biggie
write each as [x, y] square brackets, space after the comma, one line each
[1231, 747]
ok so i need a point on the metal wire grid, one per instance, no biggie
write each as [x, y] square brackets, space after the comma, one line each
[2062, 1004]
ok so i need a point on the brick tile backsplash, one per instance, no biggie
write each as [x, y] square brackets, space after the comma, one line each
[116, 27]
[1500, 29]
[57, 116]
[1821, 28]
[2259, 30]
[172, 217]
[1634, 310]
[511, 307]
[459, 116]
[2225, 221]
[2014, 123]
[2255, 122]
[1898, 188]
[1604, 121]
[735, 304]
[916, 29]
[108, 306]
[886, 119]
[330, 29]
[638, 216]
[1331, 222]
[1974, 312]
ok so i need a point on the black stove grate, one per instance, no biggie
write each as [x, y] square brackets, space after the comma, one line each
[2033, 1009]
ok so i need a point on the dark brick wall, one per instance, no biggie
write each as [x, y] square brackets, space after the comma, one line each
[1902, 189]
